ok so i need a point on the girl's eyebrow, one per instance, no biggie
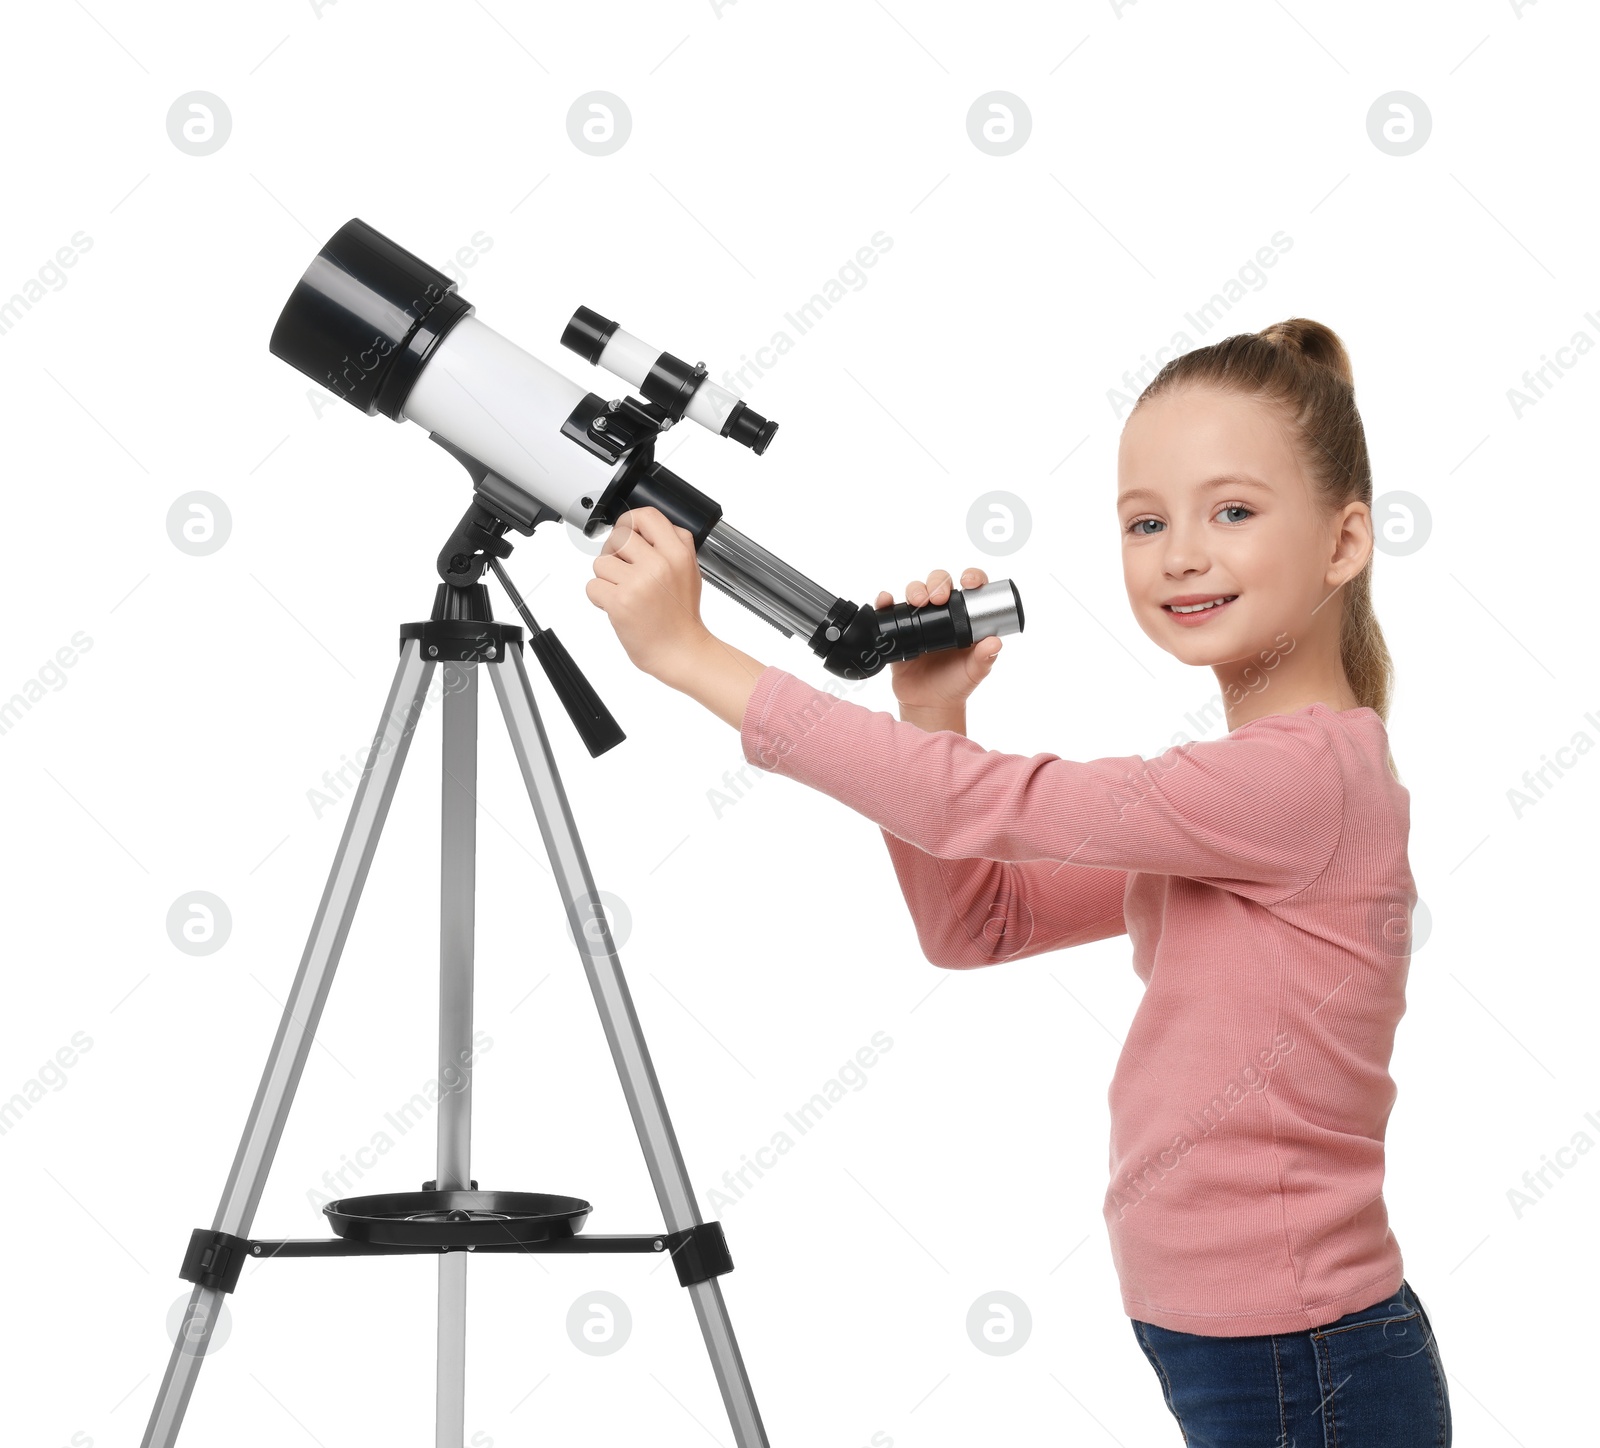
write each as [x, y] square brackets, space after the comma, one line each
[1223, 480]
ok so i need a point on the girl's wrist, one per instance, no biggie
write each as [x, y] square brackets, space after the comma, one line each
[935, 718]
[682, 666]
[715, 674]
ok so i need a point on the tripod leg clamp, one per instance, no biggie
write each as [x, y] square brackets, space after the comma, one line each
[700, 1253]
[214, 1259]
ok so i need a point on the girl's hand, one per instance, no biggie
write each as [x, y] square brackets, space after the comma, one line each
[647, 579]
[941, 680]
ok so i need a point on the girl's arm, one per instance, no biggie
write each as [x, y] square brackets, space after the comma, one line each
[1258, 812]
[967, 911]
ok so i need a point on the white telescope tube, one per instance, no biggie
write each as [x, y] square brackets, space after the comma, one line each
[505, 407]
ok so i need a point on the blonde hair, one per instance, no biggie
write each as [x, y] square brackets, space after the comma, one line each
[1301, 367]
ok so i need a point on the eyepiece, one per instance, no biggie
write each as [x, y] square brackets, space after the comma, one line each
[749, 428]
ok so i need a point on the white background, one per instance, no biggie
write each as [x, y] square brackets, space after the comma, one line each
[766, 946]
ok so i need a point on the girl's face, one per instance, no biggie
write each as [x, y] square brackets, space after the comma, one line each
[1213, 504]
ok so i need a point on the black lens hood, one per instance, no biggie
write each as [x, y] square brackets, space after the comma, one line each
[365, 318]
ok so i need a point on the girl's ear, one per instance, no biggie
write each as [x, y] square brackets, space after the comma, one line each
[1352, 544]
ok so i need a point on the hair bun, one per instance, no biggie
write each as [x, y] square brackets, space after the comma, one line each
[1314, 342]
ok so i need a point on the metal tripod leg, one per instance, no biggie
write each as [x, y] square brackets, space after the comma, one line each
[458, 819]
[639, 1085]
[299, 1024]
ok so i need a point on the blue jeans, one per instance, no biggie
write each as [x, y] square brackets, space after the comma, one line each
[1370, 1379]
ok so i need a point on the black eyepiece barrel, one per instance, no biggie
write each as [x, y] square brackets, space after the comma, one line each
[750, 428]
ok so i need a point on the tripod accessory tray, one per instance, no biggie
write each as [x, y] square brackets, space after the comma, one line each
[456, 1218]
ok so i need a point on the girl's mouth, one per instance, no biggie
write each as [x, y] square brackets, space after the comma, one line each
[1192, 615]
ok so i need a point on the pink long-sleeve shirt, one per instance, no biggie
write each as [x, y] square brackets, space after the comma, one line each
[1263, 881]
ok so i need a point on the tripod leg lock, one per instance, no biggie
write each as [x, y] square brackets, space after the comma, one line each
[699, 1253]
[214, 1259]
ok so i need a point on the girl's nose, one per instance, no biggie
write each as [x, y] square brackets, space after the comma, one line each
[1178, 561]
[1184, 552]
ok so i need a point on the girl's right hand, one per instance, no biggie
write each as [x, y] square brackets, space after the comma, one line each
[944, 679]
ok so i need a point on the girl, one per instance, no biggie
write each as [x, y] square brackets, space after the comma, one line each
[1261, 877]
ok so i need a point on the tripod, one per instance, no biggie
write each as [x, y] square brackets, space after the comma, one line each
[450, 1217]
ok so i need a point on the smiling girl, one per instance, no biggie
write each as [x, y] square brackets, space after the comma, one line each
[1261, 878]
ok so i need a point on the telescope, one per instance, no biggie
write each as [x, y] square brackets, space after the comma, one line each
[390, 334]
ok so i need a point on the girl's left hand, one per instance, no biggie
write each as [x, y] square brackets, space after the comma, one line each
[647, 579]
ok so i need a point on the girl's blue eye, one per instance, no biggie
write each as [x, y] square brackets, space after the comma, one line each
[1225, 508]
